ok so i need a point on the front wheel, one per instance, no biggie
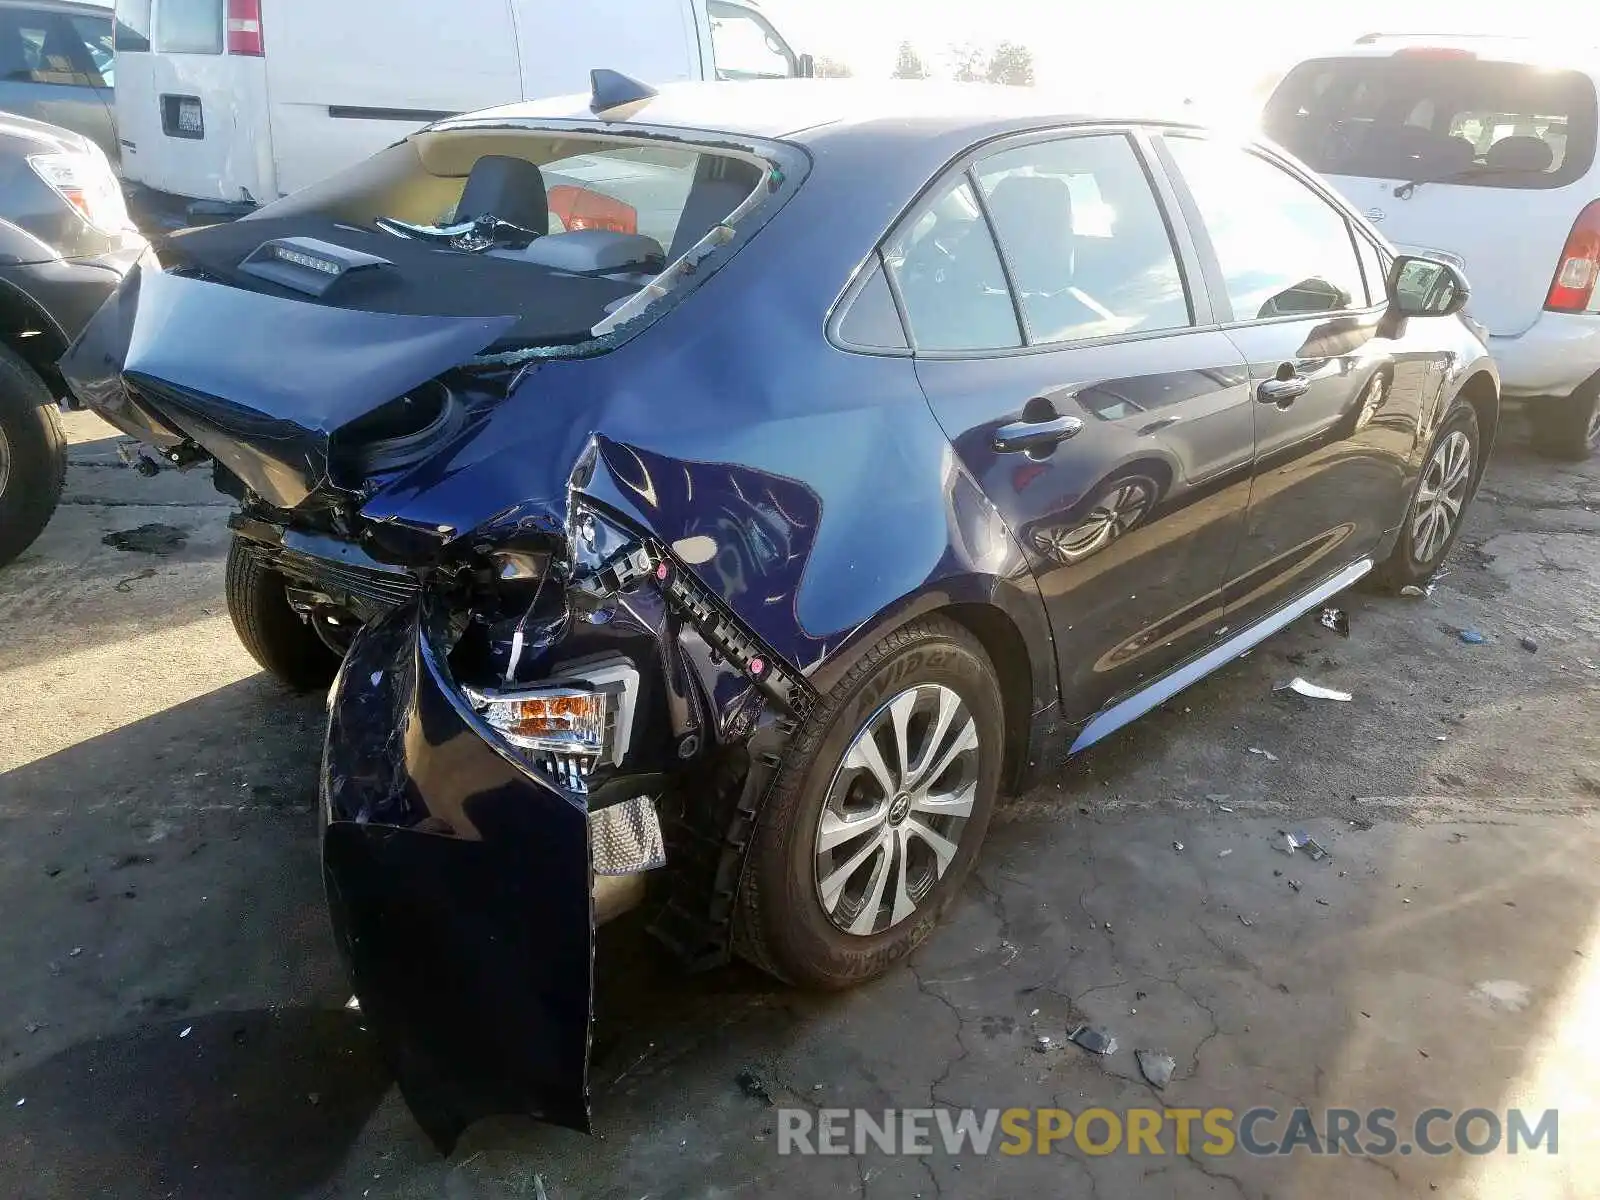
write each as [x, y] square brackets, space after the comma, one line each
[1567, 428]
[1439, 504]
[273, 633]
[33, 456]
[877, 812]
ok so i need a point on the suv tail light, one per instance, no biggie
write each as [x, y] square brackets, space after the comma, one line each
[1579, 270]
[244, 28]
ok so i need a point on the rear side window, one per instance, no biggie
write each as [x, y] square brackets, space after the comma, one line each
[1413, 117]
[188, 27]
[950, 278]
[47, 47]
[1088, 248]
[1283, 249]
[133, 25]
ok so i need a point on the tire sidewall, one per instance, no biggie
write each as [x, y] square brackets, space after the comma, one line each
[37, 456]
[810, 948]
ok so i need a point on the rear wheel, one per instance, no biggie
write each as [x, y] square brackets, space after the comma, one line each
[33, 456]
[1567, 428]
[273, 633]
[1438, 506]
[877, 813]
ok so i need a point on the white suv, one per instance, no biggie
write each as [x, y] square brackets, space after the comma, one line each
[1481, 152]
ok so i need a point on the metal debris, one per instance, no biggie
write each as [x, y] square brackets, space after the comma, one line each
[1178, 846]
[1335, 619]
[1096, 1041]
[1157, 1068]
[1245, 921]
[1294, 884]
[1471, 637]
[1266, 754]
[1042, 1044]
[1224, 853]
[1313, 691]
[751, 1085]
[1301, 840]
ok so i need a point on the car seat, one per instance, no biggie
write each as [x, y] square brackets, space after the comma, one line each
[510, 189]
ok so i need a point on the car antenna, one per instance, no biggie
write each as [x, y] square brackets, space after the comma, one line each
[612, 91]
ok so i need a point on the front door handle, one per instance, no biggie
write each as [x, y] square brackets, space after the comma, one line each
[1283, 392]
[1036, 437]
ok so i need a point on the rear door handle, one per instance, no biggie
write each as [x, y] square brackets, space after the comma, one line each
[1282, 392]
[1036, 436]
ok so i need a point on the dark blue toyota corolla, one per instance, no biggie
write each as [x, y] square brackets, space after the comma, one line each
[715, 499]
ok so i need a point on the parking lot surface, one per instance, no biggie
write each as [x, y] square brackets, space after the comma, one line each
[172, 1017]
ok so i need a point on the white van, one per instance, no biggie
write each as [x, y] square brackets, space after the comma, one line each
[238, 102]
[1483, 152]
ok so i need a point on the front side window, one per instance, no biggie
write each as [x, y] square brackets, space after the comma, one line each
[1419, 116]
[1088, 249]
[188, 27]
[95, 34]
[45, 47]
[1283, 249]
[745, 46]
[950, 278]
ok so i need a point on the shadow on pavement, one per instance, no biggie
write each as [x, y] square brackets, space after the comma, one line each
[255, 1105]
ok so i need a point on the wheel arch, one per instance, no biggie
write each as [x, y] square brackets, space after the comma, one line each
[1482, 391]
[28, 330]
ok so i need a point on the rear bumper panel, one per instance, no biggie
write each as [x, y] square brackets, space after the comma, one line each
[1558, 354]
[459, 887]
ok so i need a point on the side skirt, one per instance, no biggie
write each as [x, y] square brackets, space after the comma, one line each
[1123, 712]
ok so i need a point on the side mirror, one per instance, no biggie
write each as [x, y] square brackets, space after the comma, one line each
[1426, 287]
[808, 66]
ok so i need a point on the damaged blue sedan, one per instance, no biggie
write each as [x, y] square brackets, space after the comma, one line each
[713, 500]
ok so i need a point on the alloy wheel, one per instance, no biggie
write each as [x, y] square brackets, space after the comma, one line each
[5, 461]
[1116, 513]
[1441, 496]
[893, 817]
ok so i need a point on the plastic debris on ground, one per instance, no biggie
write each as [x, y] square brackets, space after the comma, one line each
[1531, 646]
[1313, 691]
[1096, 1041]
[1335, 619]
[1178, 846]
[1471, 637]
[1042, 1044]
[751, 1085]
[1301, 840]
[1414, 592]
[1157, 1068]
[1266, 754]
[155, 539]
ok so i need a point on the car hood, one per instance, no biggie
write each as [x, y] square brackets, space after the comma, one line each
[267, 386]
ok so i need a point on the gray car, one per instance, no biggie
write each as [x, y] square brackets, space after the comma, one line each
[56, 66]
[65, 244]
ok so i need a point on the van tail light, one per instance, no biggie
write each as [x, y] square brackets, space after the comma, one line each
[244, 28]
[1579, 270]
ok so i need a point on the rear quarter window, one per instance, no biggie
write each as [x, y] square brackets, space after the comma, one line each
[1411, 117]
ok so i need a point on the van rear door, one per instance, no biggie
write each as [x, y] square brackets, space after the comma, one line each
[654, 40]
[1498, 153]
[349, 77]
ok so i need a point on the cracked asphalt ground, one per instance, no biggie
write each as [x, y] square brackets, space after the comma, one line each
[171, 1011]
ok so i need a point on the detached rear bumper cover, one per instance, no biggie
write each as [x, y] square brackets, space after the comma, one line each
[459, 886]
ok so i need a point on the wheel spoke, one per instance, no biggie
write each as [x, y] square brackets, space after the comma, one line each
[948, 804]
[832, 888]
[965, 740]
[944, 850]
[899, 717]
[904, 905]
[867, 917]
[837, 830]
[1453, 503]
[949, 705]
[865, 756]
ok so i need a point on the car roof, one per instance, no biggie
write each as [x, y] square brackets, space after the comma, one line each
[799, 109]
[1579, 53]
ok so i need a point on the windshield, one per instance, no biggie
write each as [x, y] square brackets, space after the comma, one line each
[1485, 124]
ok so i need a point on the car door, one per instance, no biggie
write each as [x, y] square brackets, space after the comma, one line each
[1339, 391]
[1060, 342]
[51, 70]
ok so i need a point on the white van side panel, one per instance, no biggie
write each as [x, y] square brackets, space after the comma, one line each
[658, 41]
[232, 158]
[348, 77]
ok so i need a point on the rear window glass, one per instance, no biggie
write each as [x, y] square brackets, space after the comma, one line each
[188, 27]
[51, 47]
[1487, 124]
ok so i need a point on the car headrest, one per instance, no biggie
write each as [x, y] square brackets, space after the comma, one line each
[1033, 214]
[511, 189]
[1521, 153]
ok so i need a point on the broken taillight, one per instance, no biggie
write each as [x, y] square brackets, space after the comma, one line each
[1579, 268]
[580, 208]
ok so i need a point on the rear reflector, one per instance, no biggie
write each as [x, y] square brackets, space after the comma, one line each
[1579, 268]
[244, 28]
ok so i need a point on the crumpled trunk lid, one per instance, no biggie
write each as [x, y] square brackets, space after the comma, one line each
[265, 385]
